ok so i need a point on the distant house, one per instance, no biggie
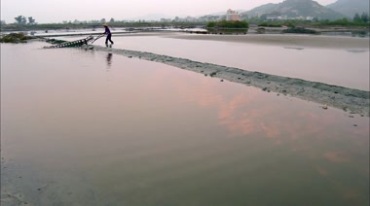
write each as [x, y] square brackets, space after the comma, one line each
[232, 15]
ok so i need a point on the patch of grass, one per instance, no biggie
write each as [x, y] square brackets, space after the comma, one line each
[15, 38]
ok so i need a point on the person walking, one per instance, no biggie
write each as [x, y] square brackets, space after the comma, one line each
[109, 35]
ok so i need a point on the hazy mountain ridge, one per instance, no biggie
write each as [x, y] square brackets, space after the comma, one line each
[260, 10]
[350, 7]
[288, 9]
[293, 9]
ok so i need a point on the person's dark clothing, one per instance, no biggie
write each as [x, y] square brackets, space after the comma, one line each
[107, 31]
[109, 36]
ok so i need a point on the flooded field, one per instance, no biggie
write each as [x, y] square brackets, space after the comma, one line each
[97, 128]
[345, 66]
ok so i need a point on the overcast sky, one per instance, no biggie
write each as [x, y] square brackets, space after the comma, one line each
[55, 11]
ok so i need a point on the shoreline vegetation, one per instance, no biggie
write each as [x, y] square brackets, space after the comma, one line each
[15, 38]
[212, 28]
[357, 26]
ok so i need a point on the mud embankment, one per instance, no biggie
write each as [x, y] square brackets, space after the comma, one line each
[354, 101]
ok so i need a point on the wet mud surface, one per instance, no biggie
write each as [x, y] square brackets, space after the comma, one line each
[354, 101]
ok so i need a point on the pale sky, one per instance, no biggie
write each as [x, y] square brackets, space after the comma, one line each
[56, 11]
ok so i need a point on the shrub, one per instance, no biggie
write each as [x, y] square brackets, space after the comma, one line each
[15, 38]
[300, 30]
[228, 27]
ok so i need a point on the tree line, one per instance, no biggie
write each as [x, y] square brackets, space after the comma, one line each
[22, 20]
[362, 18]
[29, 23]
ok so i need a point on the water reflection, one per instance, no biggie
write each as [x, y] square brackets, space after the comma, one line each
[250, 113]
[169, 137]
[109, 59]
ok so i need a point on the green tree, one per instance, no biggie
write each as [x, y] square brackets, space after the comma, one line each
[31, 20]
[111, 20]
[211, 24]
[20, 20]
[364, 17]
[228, 26]
[342, 22]
[357, 18]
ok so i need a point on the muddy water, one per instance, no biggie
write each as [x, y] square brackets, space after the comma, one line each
[92, 128]
[348, 67]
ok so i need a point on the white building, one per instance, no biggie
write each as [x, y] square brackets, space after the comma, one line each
[232, 15]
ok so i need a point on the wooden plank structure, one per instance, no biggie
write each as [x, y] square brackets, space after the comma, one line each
[77, 43]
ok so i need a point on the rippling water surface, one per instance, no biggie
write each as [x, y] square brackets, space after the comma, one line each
[93, 128]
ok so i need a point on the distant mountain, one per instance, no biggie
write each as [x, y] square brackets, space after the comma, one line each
[261, 10]
[294, 9]
[350, 7]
